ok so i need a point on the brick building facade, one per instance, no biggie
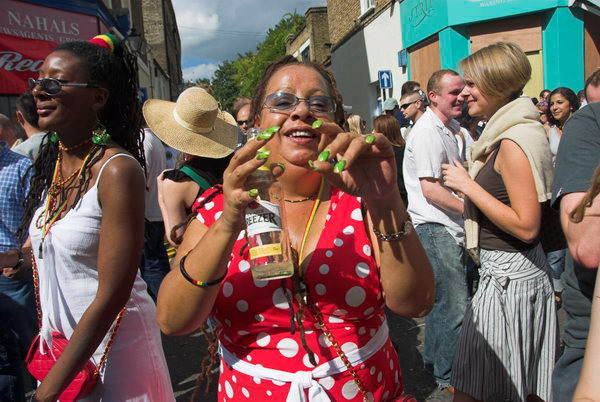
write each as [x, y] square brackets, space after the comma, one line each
[162, 34]
[312, 42]
[365, 38]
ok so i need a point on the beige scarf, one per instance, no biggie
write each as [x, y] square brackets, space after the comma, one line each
[518, 121]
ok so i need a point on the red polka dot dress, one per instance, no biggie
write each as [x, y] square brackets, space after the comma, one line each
[253, 317]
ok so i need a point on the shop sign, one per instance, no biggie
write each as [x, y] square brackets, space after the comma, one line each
[43, 23]
[20, 59]
[423, 18]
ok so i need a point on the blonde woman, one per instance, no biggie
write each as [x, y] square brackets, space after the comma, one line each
[356, 124]
[508, 340]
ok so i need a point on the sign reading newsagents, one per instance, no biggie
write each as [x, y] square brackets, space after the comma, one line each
[385, 79]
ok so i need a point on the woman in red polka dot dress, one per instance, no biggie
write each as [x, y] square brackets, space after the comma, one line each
[360, 253]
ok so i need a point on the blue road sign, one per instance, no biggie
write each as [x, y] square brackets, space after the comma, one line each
[385, 79]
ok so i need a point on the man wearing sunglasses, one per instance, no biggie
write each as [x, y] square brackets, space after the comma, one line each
[412, 106]
[243, 117]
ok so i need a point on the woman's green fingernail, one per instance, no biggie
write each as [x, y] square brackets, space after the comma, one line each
[324, 156]
[279, 164]
[316, 124]
[272, 130]
[311, 165]
[340, 166]
[264, 136]
[369, 139]
[262, 154]
[253, 192]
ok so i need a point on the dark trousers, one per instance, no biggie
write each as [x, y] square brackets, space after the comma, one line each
[155, 263]
[566, 374]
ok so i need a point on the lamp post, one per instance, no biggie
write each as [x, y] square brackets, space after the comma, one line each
[137, 42]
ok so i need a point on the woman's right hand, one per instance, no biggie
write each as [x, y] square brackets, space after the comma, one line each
[245, 161]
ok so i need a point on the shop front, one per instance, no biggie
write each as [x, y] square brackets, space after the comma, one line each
[560, 37]
[30, 30]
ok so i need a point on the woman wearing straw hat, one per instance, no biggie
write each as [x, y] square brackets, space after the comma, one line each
[193, 125]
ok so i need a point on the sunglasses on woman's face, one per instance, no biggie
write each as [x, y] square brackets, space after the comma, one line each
[52, 86]
[285, 103]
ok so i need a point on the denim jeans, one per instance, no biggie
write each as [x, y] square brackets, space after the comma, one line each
[19, 326]
[155, 263]
[442, 324]
[556, 260]
[17, 302]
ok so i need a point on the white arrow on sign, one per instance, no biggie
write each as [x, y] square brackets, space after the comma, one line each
[385, 78]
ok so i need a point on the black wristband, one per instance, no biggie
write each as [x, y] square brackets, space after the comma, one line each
[200, 284]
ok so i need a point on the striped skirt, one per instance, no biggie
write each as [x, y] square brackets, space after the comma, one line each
[508, 341]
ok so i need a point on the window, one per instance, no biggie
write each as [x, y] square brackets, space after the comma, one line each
[366, 6]
[305, 54]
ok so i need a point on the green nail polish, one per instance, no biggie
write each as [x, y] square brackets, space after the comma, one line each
[279, 164]
[264, 136]
[271, 130]
[369, 139]
[340, 166]
[316, 124]
[324, 156]
[253, 192]
[263, 154]
[311, 165]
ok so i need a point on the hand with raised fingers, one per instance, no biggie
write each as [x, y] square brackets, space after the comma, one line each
[362, 165]
[456, 177]
[245, 161]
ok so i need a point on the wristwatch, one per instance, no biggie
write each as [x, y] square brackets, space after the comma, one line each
[407, 228]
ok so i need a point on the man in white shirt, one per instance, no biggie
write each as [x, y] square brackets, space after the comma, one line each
[155, 262]
[437, 214]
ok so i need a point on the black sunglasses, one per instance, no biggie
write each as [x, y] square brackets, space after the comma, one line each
[242, 122]
[405, 105]
[52, 86]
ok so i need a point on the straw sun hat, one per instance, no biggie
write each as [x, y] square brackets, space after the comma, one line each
[194, 124]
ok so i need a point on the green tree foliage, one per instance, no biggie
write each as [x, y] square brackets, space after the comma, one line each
[237, 78]
[224, 85]
[198, 81]
[251, 66]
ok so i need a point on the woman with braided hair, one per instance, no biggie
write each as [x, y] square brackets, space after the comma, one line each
[320, 335]
[85, 213]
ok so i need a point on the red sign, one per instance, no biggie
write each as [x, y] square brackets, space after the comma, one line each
[20, 59]
[50, 24]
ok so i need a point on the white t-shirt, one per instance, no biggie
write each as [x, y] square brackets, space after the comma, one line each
[429, 145]
[156, 162]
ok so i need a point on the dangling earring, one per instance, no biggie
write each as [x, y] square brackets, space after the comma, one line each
[100, 136]
[53, 137]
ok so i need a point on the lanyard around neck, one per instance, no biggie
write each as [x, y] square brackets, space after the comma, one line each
[311, 218]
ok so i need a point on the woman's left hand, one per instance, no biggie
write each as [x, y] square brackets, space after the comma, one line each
[364, 165]
[456, 177]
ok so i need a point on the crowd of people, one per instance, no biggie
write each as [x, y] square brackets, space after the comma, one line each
[105, 247]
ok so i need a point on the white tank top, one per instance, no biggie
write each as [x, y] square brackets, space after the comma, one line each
[68, 278]
[554, 139]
